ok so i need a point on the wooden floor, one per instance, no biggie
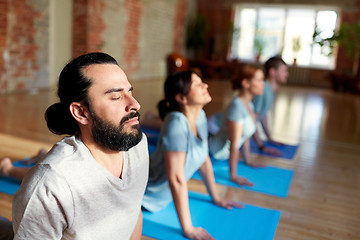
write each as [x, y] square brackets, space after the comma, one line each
[324, 198]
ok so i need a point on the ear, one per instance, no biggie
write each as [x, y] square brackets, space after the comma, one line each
[245, 83]
[79, 112]
[181, 99]
[272, 71]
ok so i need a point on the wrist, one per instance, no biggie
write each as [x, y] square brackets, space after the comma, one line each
[187, 230]
[216, 200]
[233, 176]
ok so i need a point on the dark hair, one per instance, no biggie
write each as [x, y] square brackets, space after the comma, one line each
[73, 86]
[245, 72]
[273, 62]
[176, 83]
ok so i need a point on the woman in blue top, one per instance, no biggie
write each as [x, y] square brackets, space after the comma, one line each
[181, 150]
[238, 122]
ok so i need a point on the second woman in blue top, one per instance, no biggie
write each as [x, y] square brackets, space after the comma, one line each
[181, 150]
[238, 123]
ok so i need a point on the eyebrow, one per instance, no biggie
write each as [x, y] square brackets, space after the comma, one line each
[117, 90]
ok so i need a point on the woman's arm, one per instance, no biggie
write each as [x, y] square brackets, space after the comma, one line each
[245, 150]
[207, 174]
[175, 162]
[234, 132]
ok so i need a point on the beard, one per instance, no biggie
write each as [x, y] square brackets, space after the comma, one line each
[113, 137]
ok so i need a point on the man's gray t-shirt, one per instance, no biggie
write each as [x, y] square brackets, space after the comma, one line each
[69, 195]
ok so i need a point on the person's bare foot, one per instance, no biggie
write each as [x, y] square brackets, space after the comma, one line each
[5, 166]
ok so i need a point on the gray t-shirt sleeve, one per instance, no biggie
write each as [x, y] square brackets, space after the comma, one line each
[46, 198]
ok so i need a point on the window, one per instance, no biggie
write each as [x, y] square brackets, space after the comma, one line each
[265, 31]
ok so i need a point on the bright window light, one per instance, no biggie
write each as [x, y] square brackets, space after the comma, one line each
[285, 31]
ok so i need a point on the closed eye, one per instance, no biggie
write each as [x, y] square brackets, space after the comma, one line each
[116, 96]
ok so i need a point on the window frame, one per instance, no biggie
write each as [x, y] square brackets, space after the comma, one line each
[256, 6]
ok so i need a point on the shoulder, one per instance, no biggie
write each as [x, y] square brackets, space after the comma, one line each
[175, 116]
[236, 111]
[62, 149]
[175, 120]
[237, 105]
[268, 91]
[236, 101]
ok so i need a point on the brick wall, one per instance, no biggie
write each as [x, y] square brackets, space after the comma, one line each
[133, 10]
[179, 23]
[88, 26]
[4, 8]
[139, 34]
[157, 37]
[23, 27]
[219, 16]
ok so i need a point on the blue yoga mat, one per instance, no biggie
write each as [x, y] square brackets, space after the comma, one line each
[246, 223]
[10, 185]
[288, 151]
[270, 180]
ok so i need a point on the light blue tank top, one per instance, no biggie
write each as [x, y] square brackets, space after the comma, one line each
[175, 135]
[219, 144]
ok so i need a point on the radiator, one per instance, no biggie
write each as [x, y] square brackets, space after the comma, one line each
[299, 75]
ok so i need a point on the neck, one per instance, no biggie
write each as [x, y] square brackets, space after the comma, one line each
[192, 114]
[110, 160]
[246, 96]
[273, 83]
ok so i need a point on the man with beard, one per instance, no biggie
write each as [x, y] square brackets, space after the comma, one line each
[91, 183]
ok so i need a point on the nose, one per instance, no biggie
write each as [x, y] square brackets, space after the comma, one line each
[132, 104]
